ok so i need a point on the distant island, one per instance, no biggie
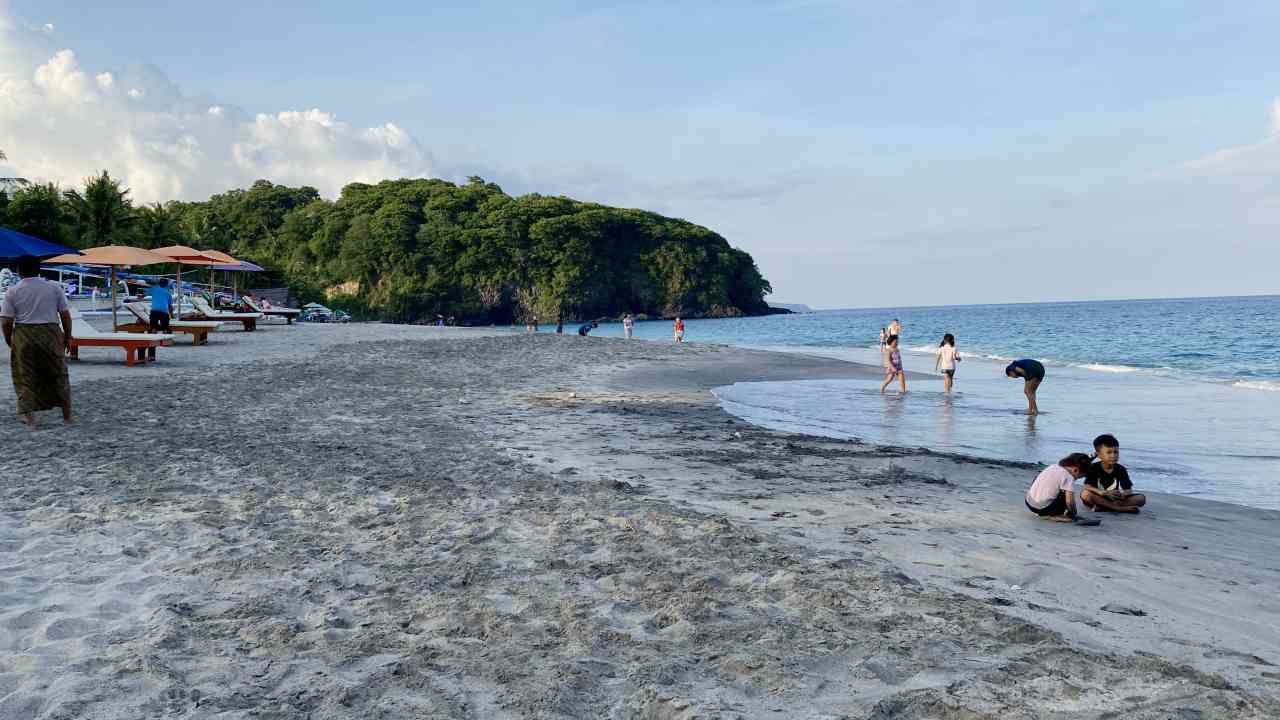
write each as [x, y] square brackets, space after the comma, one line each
[791, 307]
[410, 250]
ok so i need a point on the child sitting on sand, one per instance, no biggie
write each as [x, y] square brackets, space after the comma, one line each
[1106, 483]
[1051, 496]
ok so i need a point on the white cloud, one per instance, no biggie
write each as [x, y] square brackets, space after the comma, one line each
[1257, 159]
[62, 122]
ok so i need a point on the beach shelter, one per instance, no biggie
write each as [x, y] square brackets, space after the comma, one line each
[14, 244]
[112, 256]
[238, 267]
[223, 259]
[183, 255]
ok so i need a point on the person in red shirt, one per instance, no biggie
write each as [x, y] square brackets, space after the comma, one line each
[679, 330]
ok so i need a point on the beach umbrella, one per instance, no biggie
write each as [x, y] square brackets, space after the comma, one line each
[14, 244]
[112, 256]
[183, 255]
[223, 259]
[242, 266]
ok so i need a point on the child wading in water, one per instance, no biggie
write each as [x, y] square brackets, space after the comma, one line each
[1052, 495]
[893, 364]
[946, 362]
[679, 330]
[1032, 373]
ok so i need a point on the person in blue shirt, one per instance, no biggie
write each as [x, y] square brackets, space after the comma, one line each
[587, 328]
[161, 308]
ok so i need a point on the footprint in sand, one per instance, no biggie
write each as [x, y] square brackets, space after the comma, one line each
[67, 628]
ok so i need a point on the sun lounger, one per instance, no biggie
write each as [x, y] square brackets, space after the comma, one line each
[198, 329]
[135, 345]
[287, 313]
[205, 312]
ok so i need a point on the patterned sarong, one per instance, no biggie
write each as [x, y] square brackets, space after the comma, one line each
[39, 367]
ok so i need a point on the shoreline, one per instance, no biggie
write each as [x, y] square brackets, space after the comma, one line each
[408, 520]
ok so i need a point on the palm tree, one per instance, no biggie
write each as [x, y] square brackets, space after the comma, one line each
[6, 181]
[157, 226]
[102, 213]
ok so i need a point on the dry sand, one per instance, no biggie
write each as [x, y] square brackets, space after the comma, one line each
[382, 522]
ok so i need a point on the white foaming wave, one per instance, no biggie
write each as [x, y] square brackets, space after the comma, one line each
[1102, 367]
[1257, 385]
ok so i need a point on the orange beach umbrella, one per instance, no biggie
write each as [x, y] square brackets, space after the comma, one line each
[183, 255]
[112, 256]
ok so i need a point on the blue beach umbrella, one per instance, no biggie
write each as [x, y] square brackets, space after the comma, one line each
[14, 244]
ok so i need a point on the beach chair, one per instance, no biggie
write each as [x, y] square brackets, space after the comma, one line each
[287, 313]
[135, 345]
[198, 329]
[205, 312]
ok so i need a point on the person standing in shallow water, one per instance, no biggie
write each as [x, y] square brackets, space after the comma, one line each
[36, 323]
[628, 325]
[946, 362]
[893, 364]
[1032, 372]
[679, 330]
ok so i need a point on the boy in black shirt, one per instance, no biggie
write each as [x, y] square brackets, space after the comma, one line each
[1106, 484]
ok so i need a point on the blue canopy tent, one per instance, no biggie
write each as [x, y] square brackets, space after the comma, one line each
[14, 244]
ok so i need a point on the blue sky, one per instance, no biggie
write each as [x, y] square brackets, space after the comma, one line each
[865, 153]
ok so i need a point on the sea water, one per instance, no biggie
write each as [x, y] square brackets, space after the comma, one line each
[1190, 386]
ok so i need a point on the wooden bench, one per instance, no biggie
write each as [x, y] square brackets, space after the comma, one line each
[287, 313]
[135, 345]
[198, 329]
[205, 312]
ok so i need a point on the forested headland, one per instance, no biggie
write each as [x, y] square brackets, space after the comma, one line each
[407, 250]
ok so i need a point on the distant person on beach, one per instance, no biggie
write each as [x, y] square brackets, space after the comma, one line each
[1052, 495]
[161, 296]
[559, 326]
[1033, 373]
[884, 337]
[587, 328]
[36, 324]
[894, 329]
[679, 330]
[1107, 485]
[946, 362]
[628, 325]
[893, 364]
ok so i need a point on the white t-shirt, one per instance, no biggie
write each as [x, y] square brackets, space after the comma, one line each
[34, 301]
[1047, 484]
[947, 357]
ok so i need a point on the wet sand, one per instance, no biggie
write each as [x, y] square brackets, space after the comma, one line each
[455, 523]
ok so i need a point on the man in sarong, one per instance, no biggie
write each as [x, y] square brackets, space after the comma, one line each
[36, 322]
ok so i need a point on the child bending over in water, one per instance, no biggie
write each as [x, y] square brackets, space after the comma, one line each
[1106, 483]
[1032, 372]
[1052, 494]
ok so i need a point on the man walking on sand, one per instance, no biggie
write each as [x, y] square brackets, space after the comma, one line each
[36, 322]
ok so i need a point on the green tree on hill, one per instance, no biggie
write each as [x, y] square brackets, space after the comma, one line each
[406, 250]
[102, 214]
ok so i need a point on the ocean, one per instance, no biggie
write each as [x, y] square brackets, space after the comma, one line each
[1190, 386]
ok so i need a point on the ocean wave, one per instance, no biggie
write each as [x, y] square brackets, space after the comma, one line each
[1257, 385]
[1102, 367]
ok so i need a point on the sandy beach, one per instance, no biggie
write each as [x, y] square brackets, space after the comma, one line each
[379, 521]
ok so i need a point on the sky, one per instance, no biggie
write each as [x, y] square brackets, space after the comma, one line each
[867, 154]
